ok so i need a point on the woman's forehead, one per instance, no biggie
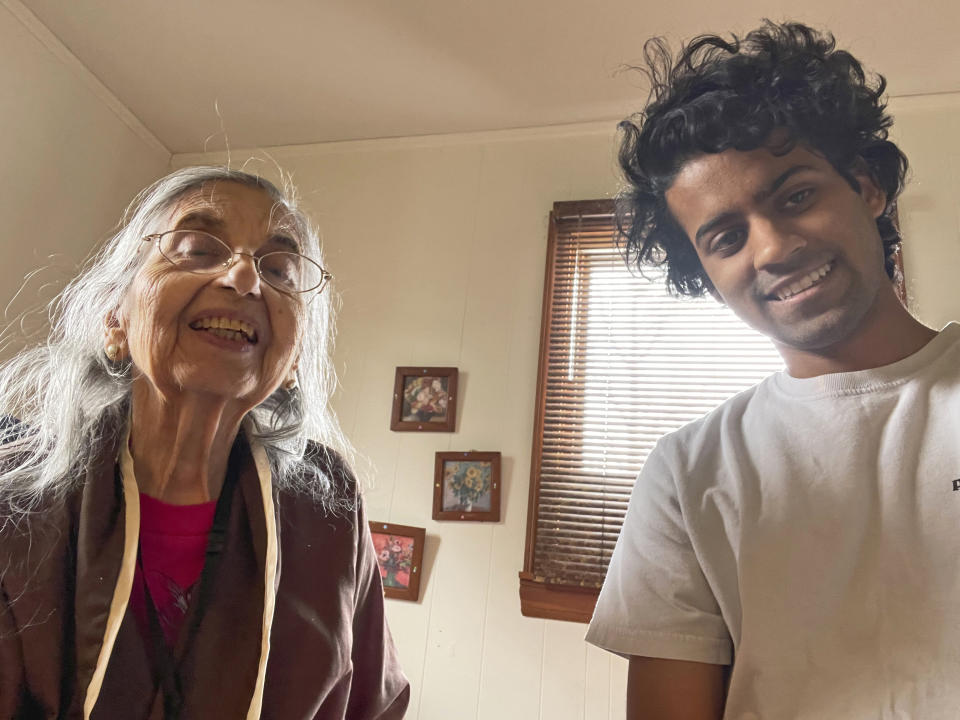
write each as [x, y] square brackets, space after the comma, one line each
[224, 201]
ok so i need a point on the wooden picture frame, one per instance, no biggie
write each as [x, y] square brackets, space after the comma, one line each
[424, 399]
[466, 486]
[399, 551]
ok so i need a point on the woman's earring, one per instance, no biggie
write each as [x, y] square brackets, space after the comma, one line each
[114, 352]
[291, 384]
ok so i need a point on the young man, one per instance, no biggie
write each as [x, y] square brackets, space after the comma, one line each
[795, 553]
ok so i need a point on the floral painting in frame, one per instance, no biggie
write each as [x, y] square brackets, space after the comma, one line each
[466, 486]
[424, 399]
[399, 550]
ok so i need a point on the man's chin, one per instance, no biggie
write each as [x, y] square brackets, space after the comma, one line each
[821, 335]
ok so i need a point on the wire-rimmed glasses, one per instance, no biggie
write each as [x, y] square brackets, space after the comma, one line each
[197, 251]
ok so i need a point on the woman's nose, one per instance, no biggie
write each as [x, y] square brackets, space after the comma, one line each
[242, 275]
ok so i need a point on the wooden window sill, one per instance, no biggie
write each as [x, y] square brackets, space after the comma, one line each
[571, 603]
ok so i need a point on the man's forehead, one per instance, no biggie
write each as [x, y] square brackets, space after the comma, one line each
[737, 172]
[759, 161]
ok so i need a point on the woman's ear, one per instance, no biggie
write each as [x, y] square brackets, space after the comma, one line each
[115, 338]
[291, 382]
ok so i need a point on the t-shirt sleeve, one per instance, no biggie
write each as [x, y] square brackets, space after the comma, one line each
[656, 601]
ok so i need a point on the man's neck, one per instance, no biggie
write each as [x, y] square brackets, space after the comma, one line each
[888, 334]
[180, 446]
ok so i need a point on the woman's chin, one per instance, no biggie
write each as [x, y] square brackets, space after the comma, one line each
[217, 386]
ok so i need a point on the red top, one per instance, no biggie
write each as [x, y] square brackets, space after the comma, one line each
[173, 543]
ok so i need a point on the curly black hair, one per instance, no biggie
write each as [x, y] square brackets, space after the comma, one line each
[722, 94]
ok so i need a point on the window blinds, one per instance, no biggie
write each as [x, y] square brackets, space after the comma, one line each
[622, 363]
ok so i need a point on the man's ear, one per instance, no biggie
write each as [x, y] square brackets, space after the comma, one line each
[870, 190]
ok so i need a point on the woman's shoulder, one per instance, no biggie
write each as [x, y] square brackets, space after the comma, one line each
[331, 463]
[35, 542]
[22, 514]
[328, 487]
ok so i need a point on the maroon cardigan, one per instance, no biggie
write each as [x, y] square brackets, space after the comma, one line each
[330, 651]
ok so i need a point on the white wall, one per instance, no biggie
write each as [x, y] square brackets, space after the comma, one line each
[438, 248]
[72, 157]
[928, 130]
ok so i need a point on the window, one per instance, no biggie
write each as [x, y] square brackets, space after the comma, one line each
[621, 363]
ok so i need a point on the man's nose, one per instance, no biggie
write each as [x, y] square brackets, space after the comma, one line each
[774, 243]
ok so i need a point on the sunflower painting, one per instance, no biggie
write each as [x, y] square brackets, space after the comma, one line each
[467, 486]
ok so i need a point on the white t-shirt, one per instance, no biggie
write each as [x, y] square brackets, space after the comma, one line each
[807, 530]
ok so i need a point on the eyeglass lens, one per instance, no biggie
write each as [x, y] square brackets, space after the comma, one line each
[197, 251]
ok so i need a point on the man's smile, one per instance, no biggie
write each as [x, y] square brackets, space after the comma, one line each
[786, 291]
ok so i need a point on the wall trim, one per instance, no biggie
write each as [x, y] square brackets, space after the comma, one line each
[60, 51]
[898, 103]
[547, 132]
[928, 101]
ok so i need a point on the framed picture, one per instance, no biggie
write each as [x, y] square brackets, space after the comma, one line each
[466, 486]
[400, 556]
[424, 399]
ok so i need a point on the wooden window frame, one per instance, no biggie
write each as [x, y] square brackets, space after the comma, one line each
[554, 601]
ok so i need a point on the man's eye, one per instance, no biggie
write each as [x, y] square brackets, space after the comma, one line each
[728, 242]
[799, 197]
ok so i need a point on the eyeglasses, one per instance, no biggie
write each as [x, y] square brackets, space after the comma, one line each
[196, 251]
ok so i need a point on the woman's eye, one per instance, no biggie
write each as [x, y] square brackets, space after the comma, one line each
[192, 249]
[281, 268]
[188, 251]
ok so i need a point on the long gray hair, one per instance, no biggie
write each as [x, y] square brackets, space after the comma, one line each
[72, 401]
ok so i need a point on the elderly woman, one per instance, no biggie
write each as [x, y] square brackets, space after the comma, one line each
[173, 541]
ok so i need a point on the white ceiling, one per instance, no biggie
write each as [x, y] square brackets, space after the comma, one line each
[305, 71]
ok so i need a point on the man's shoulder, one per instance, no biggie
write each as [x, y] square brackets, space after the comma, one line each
[721, 421]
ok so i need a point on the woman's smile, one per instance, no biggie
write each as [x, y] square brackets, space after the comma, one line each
[227, 329]
[223, 337]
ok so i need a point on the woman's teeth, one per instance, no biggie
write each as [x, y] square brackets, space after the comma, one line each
[807, 281]
[228, 334]
[226, 328]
